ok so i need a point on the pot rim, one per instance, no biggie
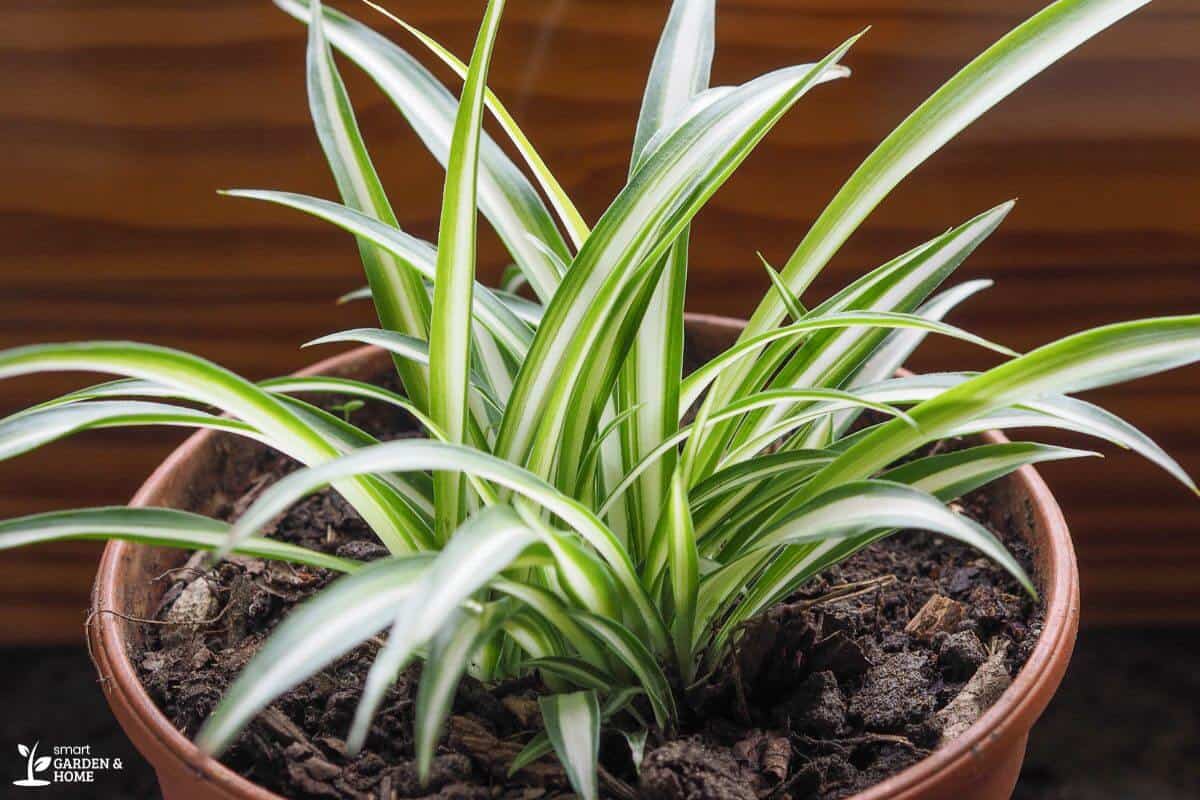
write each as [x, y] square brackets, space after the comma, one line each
[1017, 708]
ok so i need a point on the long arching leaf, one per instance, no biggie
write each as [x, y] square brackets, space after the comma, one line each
[396, 289]
[422, 455]
[449, 656]
[314, 635]
[480, 549]
[160, 527]
[204, 382]
[650, 376]
[29, 431]
[577, 229]
[1099, 357]
[993, 75]
[450, 350]
[637, 229]
[506, 197]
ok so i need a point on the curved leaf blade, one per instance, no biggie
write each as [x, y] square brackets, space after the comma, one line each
[161, 527]
[450, 325]
[985, 81]
[209, 384]
[480, 549]
[948, 476]
[653, 368]
[635, 655]
[506, 197]
[35, 428]
[424, 455]
[332, 623]
[396, 289]
[493, 311]
[637, 229]
[1099, 357]
[577, 229]
[449, 656]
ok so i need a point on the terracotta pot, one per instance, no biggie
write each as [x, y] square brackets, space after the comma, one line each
[982, 764]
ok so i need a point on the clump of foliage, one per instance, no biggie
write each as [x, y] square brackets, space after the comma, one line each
[580, 507]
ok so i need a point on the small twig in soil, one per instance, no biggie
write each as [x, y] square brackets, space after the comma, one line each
[617, 787]
[850, 742]
[196, 572]
[266, 587]
[281, 726]
[741, 705]
[879, 609]
[144, 621]
[878, 738]
[848, 591]
[843, 591]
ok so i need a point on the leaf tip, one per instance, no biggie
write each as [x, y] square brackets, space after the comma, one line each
[1027, 584]
[208, 741]
[356, 738]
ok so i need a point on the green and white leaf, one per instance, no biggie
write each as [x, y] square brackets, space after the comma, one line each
[948, 476]
[315, 634]
[506, 197]
[450, 351]
[206, 383]
[31, 430]
[637, 229]
[540, 744]
[396, 289]
[573, 726]
[450, 654]
[577, 229]
[653, 368]
[481, 548]
[1100, 357]
[638, 658]
[423, 455]
[493, 311]
[159, 527]
[993, 75]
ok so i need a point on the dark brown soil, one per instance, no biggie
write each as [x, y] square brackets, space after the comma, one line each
[825, 698]
[1124, 724]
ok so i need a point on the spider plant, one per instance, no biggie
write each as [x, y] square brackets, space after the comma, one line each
[580, 507]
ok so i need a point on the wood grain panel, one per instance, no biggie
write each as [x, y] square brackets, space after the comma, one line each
[120, 118]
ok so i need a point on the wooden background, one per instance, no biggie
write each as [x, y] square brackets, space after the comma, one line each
[119, 119]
